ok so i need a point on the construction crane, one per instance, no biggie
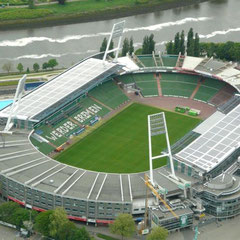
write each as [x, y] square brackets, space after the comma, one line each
[154, 191]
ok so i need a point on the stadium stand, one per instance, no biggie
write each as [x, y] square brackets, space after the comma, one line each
[208, 89]
[169, 60]
[147, 60]
[147, 84]
[229, 105]
[109, 94]
[126, 79]
[71, 119]
[42, 146]
[226, 93]
[178, 84]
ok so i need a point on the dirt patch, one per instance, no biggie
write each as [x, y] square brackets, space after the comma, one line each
[170, 103]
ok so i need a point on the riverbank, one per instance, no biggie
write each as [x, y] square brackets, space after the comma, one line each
[63, 18]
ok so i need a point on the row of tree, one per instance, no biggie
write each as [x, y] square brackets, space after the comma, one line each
[124, 226]
[55, 224]
[191, 44]
[126, 48]
[14, 214]
[52, 63]
[148, 46]
[229, 51]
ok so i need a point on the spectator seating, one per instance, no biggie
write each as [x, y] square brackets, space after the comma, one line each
[208, 89]
[109, 94]
[146, 83]
[126, 78]
[181, 85]
[169, 60]
[147, 60]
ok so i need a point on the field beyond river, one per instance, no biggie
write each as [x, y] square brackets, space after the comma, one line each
[81, 11]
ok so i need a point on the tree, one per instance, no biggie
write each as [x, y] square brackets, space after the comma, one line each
[79, 233]
[19, 216]
[55, 224]
[7, 67]
[131, 47]
[189, 37]
[158, 233]
[125, 48]
[151, 44]
[148, 44]
[104, 45]
[190, 43]
[196, 46]
[176, 48]
[28, 71]
[123, 225]
[52, 63]
[20, 67]
[36, 67]
[111, 46]
[7, 210]
[57, 221]
[169, 47]
[145, 46]
[61, 2]
[45, 66]
[31, 4]
[182, 43]
[42, 223]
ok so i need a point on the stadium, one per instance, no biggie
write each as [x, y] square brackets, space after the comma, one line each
[80, 141]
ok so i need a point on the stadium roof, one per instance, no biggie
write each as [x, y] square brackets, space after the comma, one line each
[211, 66]
[22, 162]
[76, 78]
[229, 72]
[191, 62]
[214, 146]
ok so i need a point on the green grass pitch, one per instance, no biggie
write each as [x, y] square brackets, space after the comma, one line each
[121, 144]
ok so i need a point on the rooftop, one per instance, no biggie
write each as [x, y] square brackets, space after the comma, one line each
[76, 78]
[216, 144]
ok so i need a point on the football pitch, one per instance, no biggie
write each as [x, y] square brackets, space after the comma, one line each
[121, 144]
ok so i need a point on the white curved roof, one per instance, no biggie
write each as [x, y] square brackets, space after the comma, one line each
[59, 87]
[215, 145]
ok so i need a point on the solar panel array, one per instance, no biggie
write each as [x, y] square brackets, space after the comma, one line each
[214, 146]
[60, 87]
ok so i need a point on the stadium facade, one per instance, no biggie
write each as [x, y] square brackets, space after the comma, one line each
[207, 157]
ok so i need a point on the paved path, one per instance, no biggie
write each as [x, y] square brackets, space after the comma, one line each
[8, 233]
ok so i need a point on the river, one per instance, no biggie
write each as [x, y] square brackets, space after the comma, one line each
[216, 21]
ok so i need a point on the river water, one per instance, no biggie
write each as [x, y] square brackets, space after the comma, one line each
[216, 21]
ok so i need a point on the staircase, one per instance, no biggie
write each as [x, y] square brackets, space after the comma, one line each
[196, 89]
[158, 84]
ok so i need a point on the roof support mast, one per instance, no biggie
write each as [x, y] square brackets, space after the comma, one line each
[117, 32]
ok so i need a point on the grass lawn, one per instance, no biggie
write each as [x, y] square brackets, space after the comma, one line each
[121, 144]
[103, 236]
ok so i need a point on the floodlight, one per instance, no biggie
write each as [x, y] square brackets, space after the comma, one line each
[157, 126]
